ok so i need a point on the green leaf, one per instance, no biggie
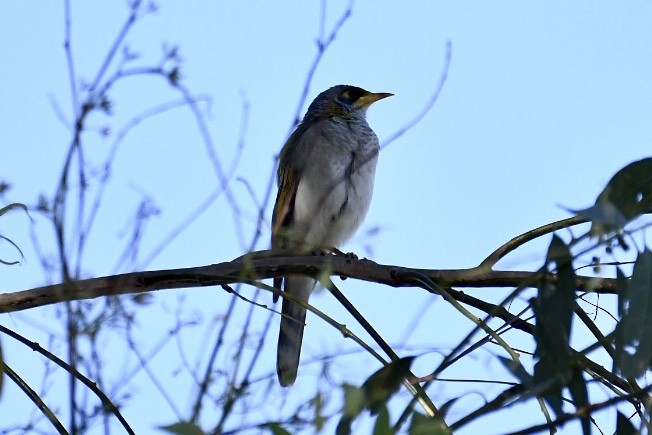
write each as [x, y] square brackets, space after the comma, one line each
[380, 386]
[318, 403]
[634, 332]
[516, 369]
[423, 425]
[354, 403]
[580, 396]
[183, 428]
[548, 383]
[627, 195]
[374, 393]
[382, 426]
[623, 292]
[553, 306]
[277, 429]
[553, 309]
[443, 409]
[354, 400]
[344, 425]
[624, 426]
[623, 285]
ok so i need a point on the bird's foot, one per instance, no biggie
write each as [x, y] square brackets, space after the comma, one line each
[321, 252]
[347, 255]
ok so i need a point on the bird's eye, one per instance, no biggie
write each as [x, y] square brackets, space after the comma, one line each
[350, 95]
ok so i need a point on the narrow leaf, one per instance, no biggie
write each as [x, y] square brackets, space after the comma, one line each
[548, 383]
[423, 425]
[553, 309]
[580, 396]
[627, 195]
[637, 322]
[380, 386]
[517, 370]
[344, 425]
[624, 426]
[623, 284]
[354, 400]
[382, 426]
[182, 428]
[443, 409]
[277, 429]
[13, 206]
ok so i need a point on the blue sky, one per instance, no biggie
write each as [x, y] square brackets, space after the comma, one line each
[543, 103]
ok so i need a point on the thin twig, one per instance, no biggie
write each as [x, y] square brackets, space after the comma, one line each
[411, 383]
[34, 397]
[106, 402]
[528, 236]
[580, 413]
[431, 101]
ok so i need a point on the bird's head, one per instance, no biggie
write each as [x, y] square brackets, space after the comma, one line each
[343, 101]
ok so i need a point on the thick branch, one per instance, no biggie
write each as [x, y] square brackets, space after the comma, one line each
[263, 265]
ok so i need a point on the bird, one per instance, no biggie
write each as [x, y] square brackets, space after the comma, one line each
[325, 181]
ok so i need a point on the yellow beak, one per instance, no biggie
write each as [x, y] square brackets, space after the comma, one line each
[370, 98]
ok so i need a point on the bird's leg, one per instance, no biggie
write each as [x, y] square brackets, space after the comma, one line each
[347, 255]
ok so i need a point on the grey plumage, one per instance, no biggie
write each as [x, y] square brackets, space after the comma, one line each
[326, 177]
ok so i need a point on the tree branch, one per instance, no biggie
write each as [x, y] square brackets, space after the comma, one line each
[264, 265]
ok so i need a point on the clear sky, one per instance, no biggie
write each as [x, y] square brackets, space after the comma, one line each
[543, 103]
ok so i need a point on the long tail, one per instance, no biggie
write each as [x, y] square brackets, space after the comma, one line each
[291, 332]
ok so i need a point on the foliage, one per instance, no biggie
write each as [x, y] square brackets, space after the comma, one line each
[227, 397]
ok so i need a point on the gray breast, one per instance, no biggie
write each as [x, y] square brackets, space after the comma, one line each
[337, 183]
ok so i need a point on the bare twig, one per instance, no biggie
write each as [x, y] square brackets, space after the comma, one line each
[410, 383]
[106, 402]
[522, 239]
[581, 413]
[322, 45]
[431, 101]
[34, 397]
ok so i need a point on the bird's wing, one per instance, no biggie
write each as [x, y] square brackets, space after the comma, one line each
[291, 162]
[284, 206]
[283, 212]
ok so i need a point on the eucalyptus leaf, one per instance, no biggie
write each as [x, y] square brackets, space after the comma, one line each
[382, 426]
[380, 386]
[517, 370]
[626, 196]
[624, 426]
[277, 429]
[634, 346]
[623, 284]
[14, 206]
[577, 388]
[182, 428]
[354, 400]
[424, 425]
[553, 309]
